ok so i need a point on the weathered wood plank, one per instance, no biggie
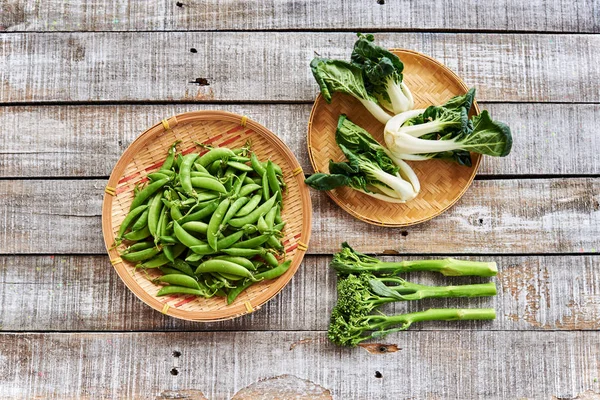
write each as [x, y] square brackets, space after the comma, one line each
[160, 15]
[496, 216]
[271, 66]
[83, 293]
[447, 365]
[62, 141]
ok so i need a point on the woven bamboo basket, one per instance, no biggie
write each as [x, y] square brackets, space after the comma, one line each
[146, 154]
[442, 182]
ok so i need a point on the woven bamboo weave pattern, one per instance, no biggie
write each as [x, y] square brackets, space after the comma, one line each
[145, 155]
[442, 182]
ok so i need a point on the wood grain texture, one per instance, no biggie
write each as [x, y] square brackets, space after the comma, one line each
[496, 216]
[160, 15]
[272, 66]
[84, 293]
[87, 141]
[447, 365]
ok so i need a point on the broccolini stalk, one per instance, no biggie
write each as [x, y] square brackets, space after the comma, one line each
[348, 261]
[351, 331]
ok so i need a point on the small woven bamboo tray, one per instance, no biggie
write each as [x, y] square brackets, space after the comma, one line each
[146, 154]
[442, 182]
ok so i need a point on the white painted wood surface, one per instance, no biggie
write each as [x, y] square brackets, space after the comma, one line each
[71, 102]
[83, 293]
[497, 216]
[273, 66]
[445, 364]
[159, 15]
[87, 141]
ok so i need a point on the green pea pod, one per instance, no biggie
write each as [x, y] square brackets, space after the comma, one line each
[254, 215]
[272, 179]
[214, 226]
[265, 187]
[156, 176]
[277, 168]
[154, 211]
[213, 155]
[178, 161]
[262, 225]
[239, 166]
[175, 212]
[275, 243]
[138, 235]
[198, 215]
[161, 227]
[235, 207]
[230, 277]
[241, 159]
[253, 243]
[148, 191]
[167, 290]
[129, 219]
[137, 247]
[244, 262]
[228, 267]
[270, 259]
[141, 222]
[278, 219]
[182, 266]
[239, 181]
[169, 239]
[270, 217]
[236, 252]
[200, 174]
[195, 226]
[249, 206]
[185, 172]
[172, 252]
[168, 270]
[247, 189]
[156, 262]
[257, 165]
[248, 180]
[168, 164]
[215, 168]
[184, 237]
[200, 168]
[270, 274]
[208, 184]
[193, 258]
[141, 255]
[180, 280]
[222, 244]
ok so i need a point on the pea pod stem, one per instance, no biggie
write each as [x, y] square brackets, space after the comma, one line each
[267, 275]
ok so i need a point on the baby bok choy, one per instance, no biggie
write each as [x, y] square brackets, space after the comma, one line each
[447, 132]
[369, 168]
[383, 72]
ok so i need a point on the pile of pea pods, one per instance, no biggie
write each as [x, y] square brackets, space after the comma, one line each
[210, 223]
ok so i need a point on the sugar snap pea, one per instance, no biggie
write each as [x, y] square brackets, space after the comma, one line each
[200, 174]
[195, 226]
[148, 191]
[254, 215]
[234, 208]
[249, 206]
[155, 176]
[257, 165]
[253, 243]
[166, 290]
[155, 262]
[239, 252]
[267, 275]
[265, 187]
[141, 222]
[239, 166]
[198, 215]
[168, 270]
[137, 247]
[141, 255]
[226, 242]
[243, 261]
[182, 266]
[168, 164]
[184, 237]
[185, 172]
[208, 184]
[228, 267]
[180, 280]
[247, 189]
[129, 219]
[239, 181]
[215, 154]
[154, 211]
[138, 235]
[214, 225]
[272, 179]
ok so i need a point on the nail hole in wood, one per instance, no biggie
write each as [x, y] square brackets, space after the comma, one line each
[480, 221]
[381, 2]
[193, 50]
[179, 4]
[174, 371]
[404, 233]
[200, 82]
[176, 354]
[378, 374]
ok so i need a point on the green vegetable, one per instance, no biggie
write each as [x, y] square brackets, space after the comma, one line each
[348, 261]
[341, 76]
[350, 331]
[383, 70]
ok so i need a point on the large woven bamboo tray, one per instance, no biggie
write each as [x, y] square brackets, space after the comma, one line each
[146, 155]
[442, 182]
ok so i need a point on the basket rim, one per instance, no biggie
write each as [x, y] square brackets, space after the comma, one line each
[232, 311]
[337, 200]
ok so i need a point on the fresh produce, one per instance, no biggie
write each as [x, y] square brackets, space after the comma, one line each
[352, 331]
[204, 223]
[348, 261]
[375, 77]
[366, 283]
[369, 170]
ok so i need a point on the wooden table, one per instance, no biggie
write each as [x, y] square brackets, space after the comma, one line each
[80, 81]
